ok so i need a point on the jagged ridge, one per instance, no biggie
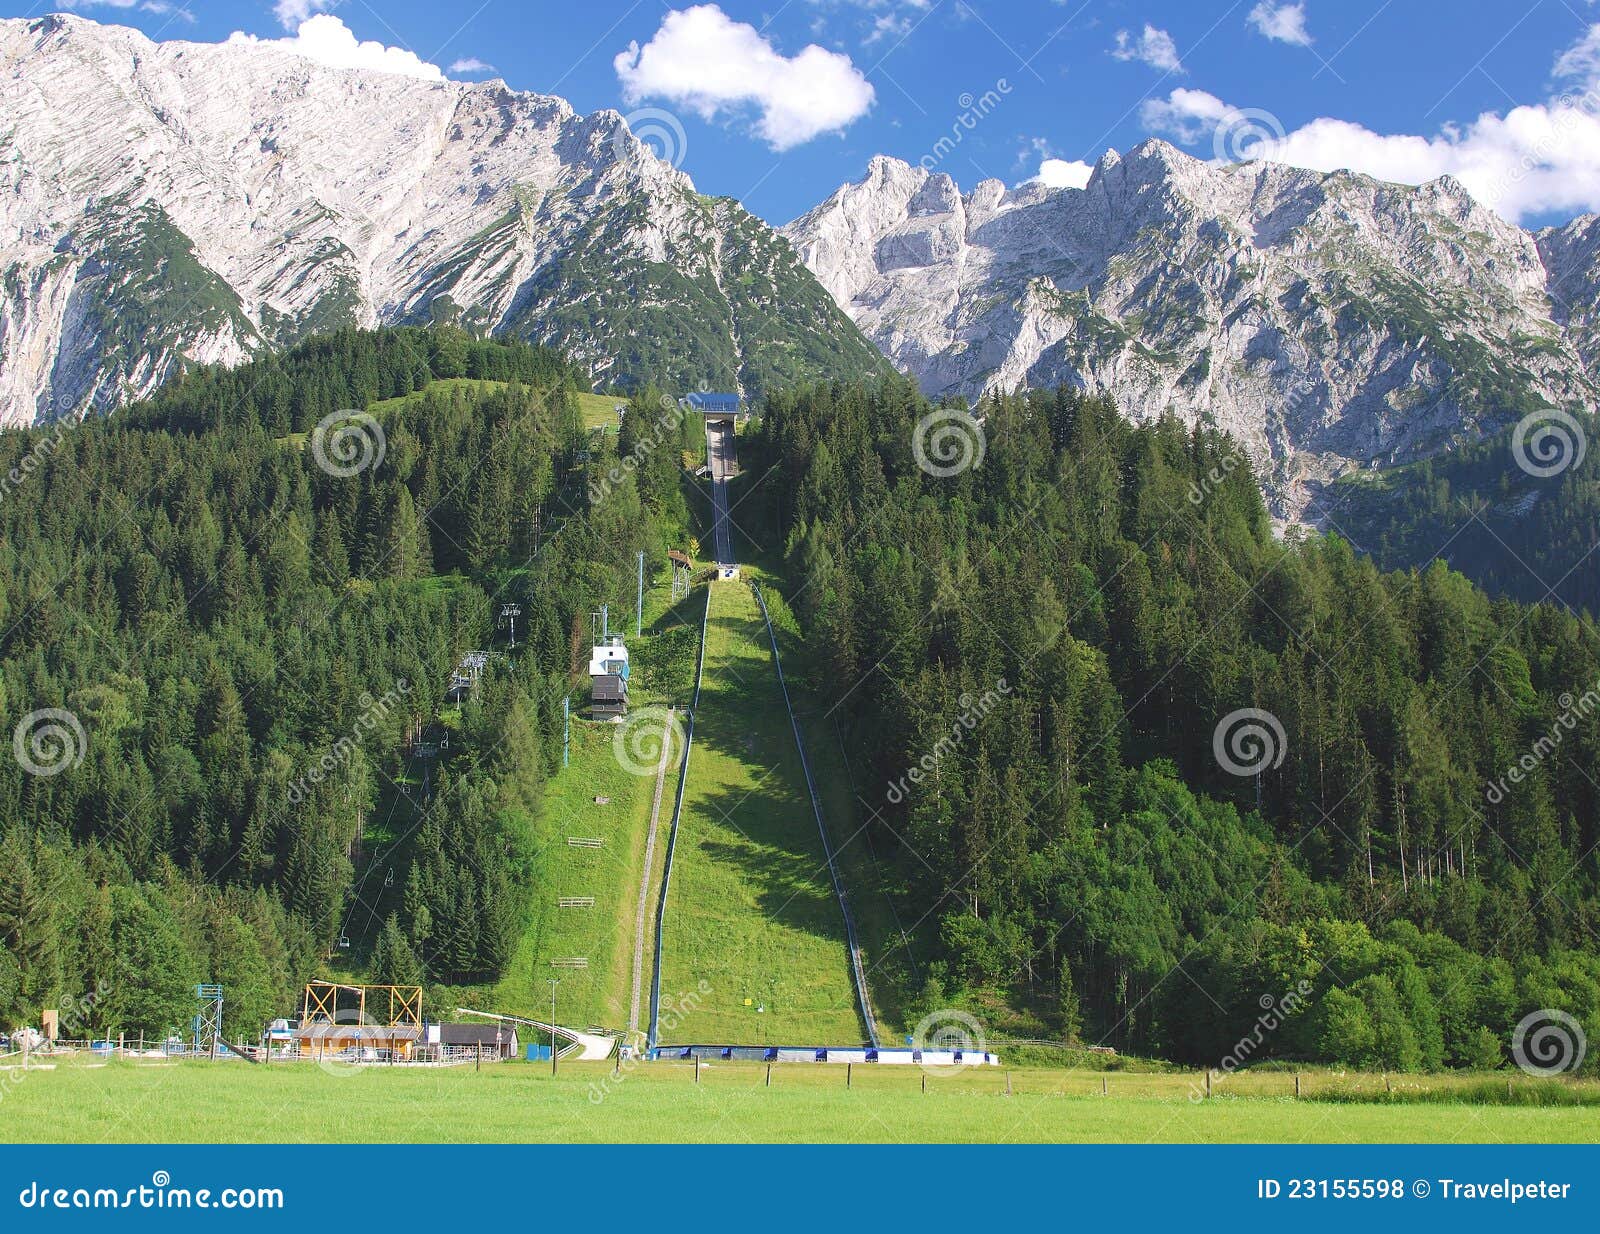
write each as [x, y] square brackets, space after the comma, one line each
[1327, 321]
[171, 202]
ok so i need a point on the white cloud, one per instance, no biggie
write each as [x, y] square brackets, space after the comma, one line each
[705, 61]
[1536, 159]
[1064, 174]
[290, 13]
[328, 40]
[1186, 115]
[1284, 22]
[471, 64]
[1581, 61]
[161, 8]
[1153, 47]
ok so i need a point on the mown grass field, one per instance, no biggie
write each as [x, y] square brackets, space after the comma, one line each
[596, 409]
[599, 409]
[603, 934]
[200, 1102]
[751, 912]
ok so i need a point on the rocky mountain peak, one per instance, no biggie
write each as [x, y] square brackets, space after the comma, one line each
[1329, 321]
[174, 203]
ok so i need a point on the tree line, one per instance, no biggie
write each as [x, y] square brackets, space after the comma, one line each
[1219, 765]
[229, 652]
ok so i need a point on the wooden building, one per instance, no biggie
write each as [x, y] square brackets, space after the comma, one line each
[494, 1040]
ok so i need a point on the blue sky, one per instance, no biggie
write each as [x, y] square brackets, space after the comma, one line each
[1501, 94]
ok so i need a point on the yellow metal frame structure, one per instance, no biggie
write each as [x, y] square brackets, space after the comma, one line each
[321, 1002]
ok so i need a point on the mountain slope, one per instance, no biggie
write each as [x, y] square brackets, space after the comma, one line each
[1326, 321]
[163, 202]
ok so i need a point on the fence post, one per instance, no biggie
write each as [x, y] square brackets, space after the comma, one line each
[1008, 1084]
[848, 1068]
[1208, 1081]
[1297, 1084]
[769, 1075]
[1104, 1091]
[924, 1083]
[697, 1069]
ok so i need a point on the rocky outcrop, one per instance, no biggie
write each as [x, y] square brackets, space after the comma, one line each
[1329, 321]
[172, 203]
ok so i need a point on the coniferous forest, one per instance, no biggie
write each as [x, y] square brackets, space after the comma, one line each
[1056, 641]
[1086, 609]
[247, 643]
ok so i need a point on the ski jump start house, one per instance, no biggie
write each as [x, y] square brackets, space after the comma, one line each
[608, 677]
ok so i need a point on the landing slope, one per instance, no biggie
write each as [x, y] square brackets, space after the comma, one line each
[751, 912]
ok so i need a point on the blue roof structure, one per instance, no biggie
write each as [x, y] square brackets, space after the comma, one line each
[713, 404]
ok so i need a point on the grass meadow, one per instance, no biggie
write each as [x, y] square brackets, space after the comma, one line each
[751, 912]
[233, 1102]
